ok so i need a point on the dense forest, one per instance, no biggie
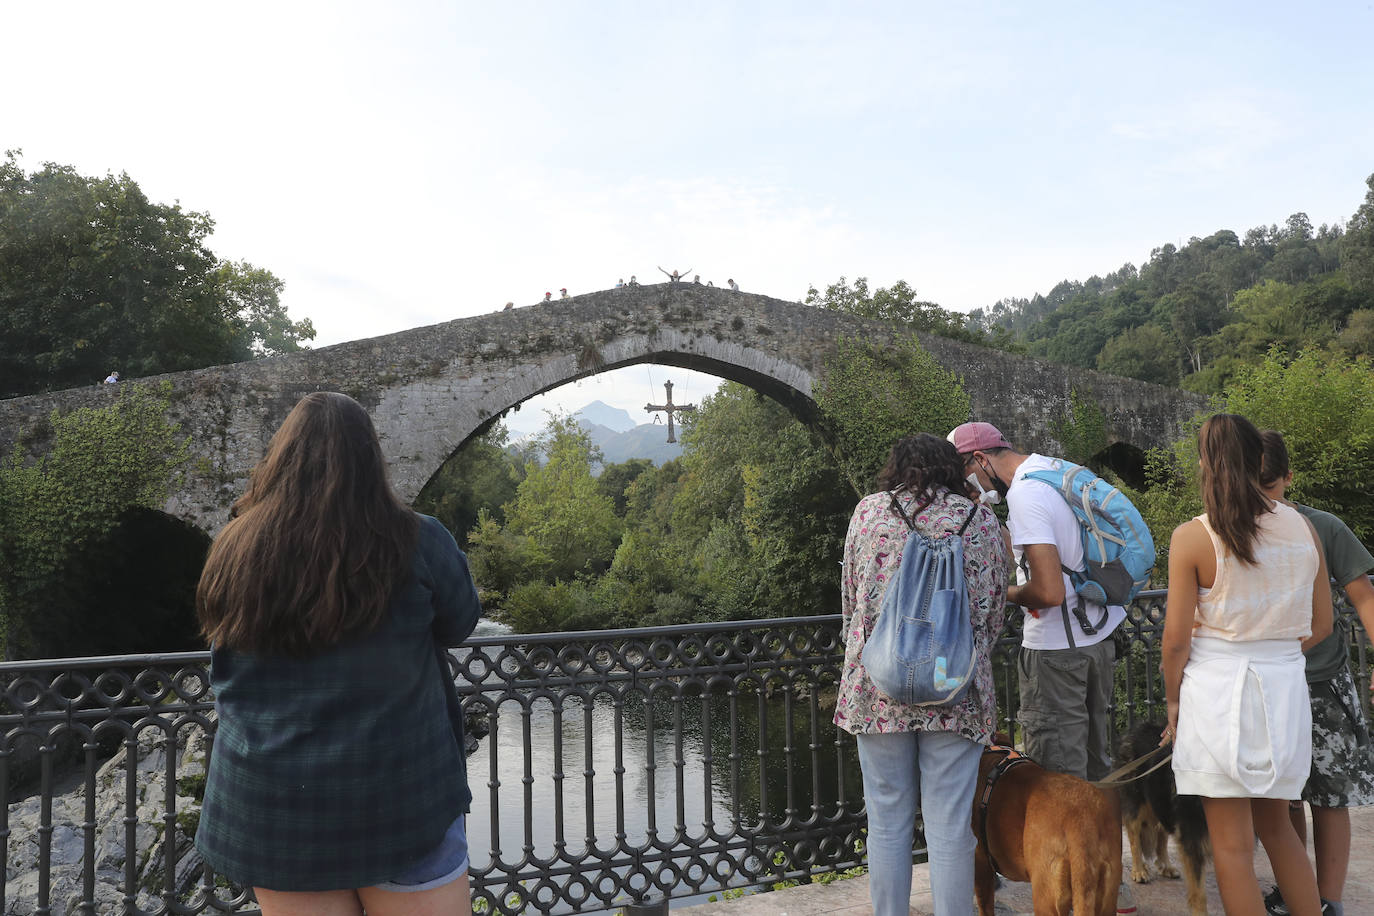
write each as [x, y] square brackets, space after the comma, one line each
[1192, 316]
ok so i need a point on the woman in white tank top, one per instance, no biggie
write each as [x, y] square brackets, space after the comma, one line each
[1248, 593]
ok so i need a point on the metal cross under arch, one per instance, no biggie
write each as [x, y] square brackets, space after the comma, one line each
[670, 408]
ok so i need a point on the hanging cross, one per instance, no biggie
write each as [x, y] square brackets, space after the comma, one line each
[670, 408]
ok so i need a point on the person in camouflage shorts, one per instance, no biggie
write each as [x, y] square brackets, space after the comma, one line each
[1342, 774]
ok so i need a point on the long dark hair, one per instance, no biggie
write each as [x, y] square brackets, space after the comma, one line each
[316, 544]
[1231, 454]
[1274, 467]
[922, 464]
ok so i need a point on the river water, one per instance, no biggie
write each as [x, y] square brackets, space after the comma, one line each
[680, 779]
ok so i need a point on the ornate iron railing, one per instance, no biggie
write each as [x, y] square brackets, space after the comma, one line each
[669, 761]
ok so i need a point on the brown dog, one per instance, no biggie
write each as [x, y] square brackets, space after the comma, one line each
[1051, 829]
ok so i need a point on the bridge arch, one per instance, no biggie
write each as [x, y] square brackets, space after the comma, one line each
[430, 389]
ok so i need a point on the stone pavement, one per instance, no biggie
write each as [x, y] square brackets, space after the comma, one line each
[1161, 897]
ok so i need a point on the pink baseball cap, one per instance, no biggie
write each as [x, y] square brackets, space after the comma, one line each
[976, 437]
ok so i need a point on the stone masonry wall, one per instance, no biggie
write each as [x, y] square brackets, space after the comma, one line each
[430, 388]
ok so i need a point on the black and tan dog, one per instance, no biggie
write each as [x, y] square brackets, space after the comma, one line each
[1061, 834]
[1153, 811]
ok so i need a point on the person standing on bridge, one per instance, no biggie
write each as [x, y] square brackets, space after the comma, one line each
[1248, 594]
[338, 782]
[1066, 664]
[1342, 774]
[919, 756]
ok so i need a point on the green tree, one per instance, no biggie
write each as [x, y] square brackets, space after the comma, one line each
[1275, 315]
[615, 481]
[1323, 403]
[482, 476]
[94, 276]
[870, 397]
[1146, 352]
[898, 304]
[1357, 247]
[568, 526]
[760, 510]
[101, 462]
[1357, 338]
[251, 299]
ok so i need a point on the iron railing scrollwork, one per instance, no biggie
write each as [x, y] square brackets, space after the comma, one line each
[612, 765]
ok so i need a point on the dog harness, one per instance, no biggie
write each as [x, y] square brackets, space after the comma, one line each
[1011, 758]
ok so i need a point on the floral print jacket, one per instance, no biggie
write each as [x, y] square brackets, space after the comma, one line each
[872, 552]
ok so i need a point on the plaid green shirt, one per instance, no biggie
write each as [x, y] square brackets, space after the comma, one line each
[341, 769]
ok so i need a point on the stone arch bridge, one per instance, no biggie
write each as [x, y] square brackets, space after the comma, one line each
[429, 389]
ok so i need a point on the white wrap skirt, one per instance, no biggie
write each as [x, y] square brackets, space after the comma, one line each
[1244, 720]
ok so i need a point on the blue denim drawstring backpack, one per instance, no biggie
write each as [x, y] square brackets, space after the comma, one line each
[921, 650]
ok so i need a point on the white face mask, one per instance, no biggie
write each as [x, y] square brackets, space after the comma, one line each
[986, 497]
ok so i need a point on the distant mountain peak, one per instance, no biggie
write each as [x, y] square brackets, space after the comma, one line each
[603, 414]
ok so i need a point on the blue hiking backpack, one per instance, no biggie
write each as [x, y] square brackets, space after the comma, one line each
[921, 650]
[1117, 547]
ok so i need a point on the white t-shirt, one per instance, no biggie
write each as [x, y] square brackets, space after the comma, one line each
[1037, 514]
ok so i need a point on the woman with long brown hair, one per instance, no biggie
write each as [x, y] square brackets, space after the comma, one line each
[1248, 593]
[337, 781]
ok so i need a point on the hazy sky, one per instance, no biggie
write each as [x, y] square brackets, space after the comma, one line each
[406, 163]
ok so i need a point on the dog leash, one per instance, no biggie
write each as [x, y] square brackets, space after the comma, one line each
[1118, 776]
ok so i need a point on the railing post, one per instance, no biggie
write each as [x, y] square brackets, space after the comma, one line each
[648, 906]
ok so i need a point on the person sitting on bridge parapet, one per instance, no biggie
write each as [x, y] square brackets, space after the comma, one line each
[339, 780]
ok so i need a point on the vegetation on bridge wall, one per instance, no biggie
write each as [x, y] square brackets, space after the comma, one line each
[103, 462]
[869, 397]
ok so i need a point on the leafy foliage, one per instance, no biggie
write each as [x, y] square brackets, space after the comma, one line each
[1323, 403]
[482, 476]
[1199, 314]
[560, 524]
[1324, 406]
[898, 304]
[1082, 429]
[870, 397]
[94, 276]
[102, 461]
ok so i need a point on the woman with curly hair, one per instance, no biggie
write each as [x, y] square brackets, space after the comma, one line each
[922, 757]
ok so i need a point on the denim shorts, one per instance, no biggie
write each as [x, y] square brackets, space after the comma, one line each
[445, 863]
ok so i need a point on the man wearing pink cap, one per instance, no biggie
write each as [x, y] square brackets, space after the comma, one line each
[1067, 657]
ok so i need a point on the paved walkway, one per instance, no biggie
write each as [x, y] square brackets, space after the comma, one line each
[1161, 897]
